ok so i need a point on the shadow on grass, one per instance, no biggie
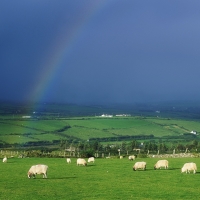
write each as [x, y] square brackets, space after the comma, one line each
[174, 168]
[91, 166]
[68, 177]
[54, 178]
[10, 161]
[163, 169]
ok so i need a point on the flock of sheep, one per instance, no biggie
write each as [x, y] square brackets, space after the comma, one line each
[42, 169]
[187, 167]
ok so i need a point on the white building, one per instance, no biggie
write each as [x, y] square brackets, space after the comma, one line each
[26, 117]
[193, 132]
[105, 115]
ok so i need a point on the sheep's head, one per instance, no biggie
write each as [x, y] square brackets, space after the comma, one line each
[183, 170]
[29, 174]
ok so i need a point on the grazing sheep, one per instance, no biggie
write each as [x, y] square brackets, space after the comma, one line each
[121, 157]
[161, 163]
[91, 159]
[139, 165]
[187, 167]
[5, 159]
[81, 161]
[38, 169]
[68, 160]
[131, 157]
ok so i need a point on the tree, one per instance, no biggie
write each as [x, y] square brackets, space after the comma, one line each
[134, 144]
[123, 146]
[95, 146]
[80, 146]
[151, 147]
[181, 147]
[162, 147]
[62, 144]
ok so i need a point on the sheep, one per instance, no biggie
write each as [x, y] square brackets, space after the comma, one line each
[121, 157]
[38, 169]
[81, 161]
[91, 159]
[131, 157]
[161, 163]
[5, 159]
[139, 165]
[187, 167]
[68, 160]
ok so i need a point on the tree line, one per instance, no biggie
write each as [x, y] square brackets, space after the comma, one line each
[94, 147]
[87, 148]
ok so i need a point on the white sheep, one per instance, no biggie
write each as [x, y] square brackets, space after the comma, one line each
[81, 161]
[139, 165]
[187, 167]
[38, 169]
[132, 157]
[91, 159]
[161, 163]
[5, 159]
[68, 160]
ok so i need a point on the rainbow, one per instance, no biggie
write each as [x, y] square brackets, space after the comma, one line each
[60, 50]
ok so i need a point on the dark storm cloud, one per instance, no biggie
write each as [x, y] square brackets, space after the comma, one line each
[126, 51]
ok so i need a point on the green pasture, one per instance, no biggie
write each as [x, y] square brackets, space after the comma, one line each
[105, 179]
[20, 131]
[31, 126]
[18, 139]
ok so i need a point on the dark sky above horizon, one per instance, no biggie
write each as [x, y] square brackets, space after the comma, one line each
[102, 51]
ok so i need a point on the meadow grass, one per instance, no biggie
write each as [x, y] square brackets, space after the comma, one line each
[93, 127]
[105, 179]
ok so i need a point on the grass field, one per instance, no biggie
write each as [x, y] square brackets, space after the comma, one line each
[105, 179]
[84, 128]
[52, 123]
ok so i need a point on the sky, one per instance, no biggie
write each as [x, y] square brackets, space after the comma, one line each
[99, 51]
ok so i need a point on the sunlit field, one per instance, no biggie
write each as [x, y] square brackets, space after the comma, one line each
[105, 179]
[21, 131]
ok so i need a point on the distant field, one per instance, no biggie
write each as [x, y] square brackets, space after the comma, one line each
[105, 179]
[56, 122]
[87, 128]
